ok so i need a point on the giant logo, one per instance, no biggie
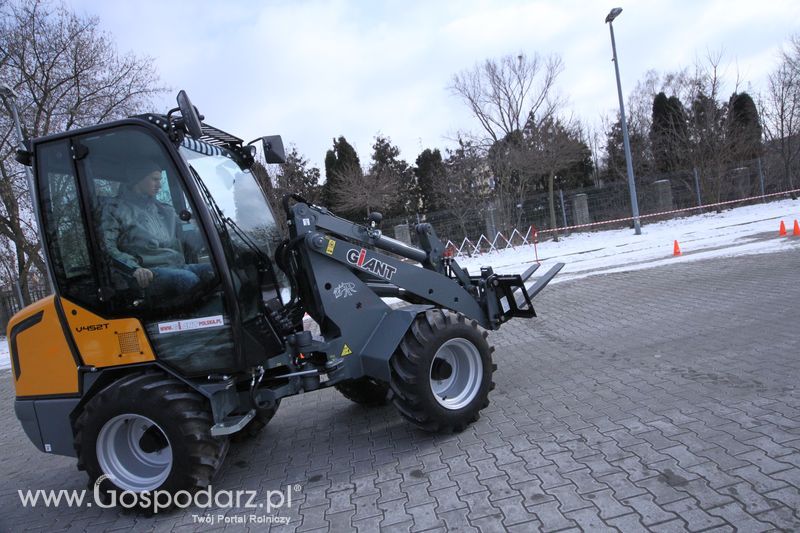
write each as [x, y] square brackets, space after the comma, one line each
[377, 267]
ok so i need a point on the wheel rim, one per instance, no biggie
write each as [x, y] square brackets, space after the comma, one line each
[134, 452]
[456, 373]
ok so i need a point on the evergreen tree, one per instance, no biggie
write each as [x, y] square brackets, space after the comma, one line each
[668, 133]
[429, 170]
[388, 168]
[615, 165]
[295, 176]
[659, 133]
[340, 161]
[744, 127]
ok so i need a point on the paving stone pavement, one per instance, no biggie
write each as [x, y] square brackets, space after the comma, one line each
[662, 399]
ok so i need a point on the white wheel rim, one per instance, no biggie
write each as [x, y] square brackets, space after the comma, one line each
[125, 462]
[456, 390]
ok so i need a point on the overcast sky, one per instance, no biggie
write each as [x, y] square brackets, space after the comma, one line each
[313, 70]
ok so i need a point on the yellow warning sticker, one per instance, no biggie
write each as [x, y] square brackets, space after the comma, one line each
[331, 246]
[346, 350]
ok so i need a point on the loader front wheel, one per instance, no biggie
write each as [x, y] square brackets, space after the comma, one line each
[442, 372]
[147, 432]
[365, 391]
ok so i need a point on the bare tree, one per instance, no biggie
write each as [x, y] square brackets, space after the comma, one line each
[711, 150]
[67, 74]
[464, 189]
[552, 148]
[503, 93]
[509, 95]
[360, 191]
[780, 111]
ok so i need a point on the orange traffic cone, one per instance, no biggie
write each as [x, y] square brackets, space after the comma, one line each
[676, 250]
[782, 231]
[796, 230]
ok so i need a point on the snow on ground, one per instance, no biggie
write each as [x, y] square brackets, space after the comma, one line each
[745, 230]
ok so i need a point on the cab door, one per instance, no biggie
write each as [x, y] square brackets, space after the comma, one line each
[125, 243]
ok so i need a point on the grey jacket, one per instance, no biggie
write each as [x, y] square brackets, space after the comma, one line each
[140, 231]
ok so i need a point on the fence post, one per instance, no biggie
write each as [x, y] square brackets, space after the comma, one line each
[580, 208]
[563, 211]
[697, 187]
[491, 227]
[20, 298]
[761, 178]
[664, 195]
[402, 233]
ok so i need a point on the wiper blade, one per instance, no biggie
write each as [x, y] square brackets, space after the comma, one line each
[226, 222]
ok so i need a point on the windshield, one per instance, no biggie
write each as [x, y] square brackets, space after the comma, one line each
[237, 194]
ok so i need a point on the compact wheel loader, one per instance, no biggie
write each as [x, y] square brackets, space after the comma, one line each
[145, 383]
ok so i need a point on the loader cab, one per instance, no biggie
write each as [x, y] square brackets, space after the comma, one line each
[170, 230]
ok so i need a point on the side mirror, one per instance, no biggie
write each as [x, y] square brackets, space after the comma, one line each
[273, 149]
[190, 116]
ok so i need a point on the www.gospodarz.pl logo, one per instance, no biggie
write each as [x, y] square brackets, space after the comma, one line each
[159, 500]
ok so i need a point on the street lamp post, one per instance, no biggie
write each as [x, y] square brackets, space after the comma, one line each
[9, 98]
[625, 140]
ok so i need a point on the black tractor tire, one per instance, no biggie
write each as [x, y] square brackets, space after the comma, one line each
[423, 376]
[365, 391]
[177, 421]
[258, 423]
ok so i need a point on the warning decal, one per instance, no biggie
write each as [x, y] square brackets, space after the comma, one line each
[346, 350]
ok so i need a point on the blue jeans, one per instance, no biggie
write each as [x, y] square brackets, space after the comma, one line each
[175, 281]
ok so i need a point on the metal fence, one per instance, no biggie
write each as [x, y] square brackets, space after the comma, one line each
[11, 303]
[656, 193]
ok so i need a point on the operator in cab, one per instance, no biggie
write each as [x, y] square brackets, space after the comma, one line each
[141, 234]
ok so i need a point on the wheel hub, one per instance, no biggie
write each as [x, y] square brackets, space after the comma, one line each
[456, 373]
[134, 452]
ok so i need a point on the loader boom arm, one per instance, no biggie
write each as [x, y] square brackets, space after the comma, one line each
[490, 299]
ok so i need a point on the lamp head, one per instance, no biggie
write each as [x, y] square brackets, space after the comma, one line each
[614, 13]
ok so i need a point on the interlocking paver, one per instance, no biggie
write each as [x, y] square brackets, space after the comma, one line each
[550, 516]
[789, 496]
[588, 520]
[696, 519]
[513, 510]
[715, 476]
[607, 505]
[456, 520]
[781, 517]
[586, 429]
[628, 523]
[791, 476]
[478, 505]
[759, 481]
[424, 517]
[648, 511]
[753, 502]
[733, 513]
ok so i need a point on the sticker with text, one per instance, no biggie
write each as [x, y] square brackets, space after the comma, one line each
[194, 323]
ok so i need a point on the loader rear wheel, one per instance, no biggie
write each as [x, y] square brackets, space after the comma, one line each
[442, 372]
[147, 432]
[365, 391]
